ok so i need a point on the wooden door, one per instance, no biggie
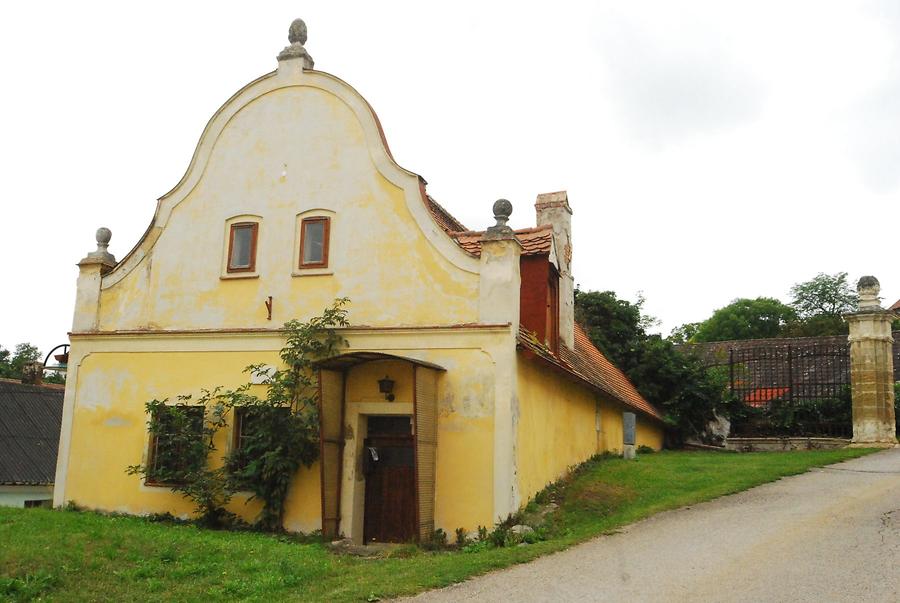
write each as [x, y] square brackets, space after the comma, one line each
[389, 467]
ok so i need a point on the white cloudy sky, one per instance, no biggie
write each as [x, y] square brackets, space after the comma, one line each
[711, 150]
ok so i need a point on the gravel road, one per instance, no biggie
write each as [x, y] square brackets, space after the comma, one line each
[832, 534]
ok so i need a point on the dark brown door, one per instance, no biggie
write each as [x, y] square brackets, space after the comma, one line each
[389, 467]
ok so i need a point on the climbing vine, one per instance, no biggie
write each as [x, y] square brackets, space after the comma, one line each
[279, 429]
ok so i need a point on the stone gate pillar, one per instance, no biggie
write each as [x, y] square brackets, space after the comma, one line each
[872, 369]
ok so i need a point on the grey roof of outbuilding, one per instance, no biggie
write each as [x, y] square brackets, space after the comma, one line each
[30, 417]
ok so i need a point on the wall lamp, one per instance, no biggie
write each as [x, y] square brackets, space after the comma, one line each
[386, 387]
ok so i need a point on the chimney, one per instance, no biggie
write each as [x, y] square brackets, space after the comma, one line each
[553, 209]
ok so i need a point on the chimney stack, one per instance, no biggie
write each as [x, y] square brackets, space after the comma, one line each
[553, 209]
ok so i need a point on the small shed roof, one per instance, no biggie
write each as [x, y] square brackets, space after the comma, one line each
[345, 361]
[30, 417]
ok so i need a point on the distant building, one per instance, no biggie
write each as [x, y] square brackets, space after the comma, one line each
[29, 438]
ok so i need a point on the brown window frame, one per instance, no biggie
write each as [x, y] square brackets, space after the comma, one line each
[153, 452]
[253, 238]
[326, 241]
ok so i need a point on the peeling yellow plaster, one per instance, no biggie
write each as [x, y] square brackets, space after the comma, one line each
[379, 256]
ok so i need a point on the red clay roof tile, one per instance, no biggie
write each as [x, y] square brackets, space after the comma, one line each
[590, 365]
[535, 241]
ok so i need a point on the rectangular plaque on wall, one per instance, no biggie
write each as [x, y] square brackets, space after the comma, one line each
[629, 421]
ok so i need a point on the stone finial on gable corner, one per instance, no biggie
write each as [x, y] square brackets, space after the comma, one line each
[502, 211]
[101, 255]
[297, 37]
[868, 289]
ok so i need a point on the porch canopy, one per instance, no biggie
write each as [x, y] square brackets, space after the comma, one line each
[346, 361]
[332, 375]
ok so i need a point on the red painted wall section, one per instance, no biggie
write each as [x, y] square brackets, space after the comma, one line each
[535, 274]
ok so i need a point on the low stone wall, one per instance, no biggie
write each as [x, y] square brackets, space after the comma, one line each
[784, 444]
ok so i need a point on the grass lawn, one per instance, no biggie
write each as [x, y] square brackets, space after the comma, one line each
[59, 555]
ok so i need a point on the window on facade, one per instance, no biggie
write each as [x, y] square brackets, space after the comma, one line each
[179, 431]
[242, 247]
[314, 242]
[246, 420]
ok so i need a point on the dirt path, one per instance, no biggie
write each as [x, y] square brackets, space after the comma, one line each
[832, 534]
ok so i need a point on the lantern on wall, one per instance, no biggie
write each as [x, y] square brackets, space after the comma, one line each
[386, 387]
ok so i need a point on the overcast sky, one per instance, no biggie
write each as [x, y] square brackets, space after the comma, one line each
[711, 150]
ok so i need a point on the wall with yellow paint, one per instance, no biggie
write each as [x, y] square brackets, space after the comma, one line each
[110, 431]
[649, 432]
[113, 377]
[557, 426]
[289, 149]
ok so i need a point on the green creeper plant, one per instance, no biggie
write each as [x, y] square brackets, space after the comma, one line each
[281, 429]
[183, 433]
[283, 432]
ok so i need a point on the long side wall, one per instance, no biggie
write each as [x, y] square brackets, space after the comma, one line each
[557, 426]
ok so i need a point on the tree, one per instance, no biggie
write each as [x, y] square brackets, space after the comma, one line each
[820, 304]
[11, 367]
[677, 383]
[823, 295]
[613, 325]
[684, 333]
[759, 318]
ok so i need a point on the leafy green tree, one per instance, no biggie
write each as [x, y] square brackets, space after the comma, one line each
[759, 318]
[11, 365]
[823, 295]
[5, 368]
[675, 382]
[820, 304]
[614, 325]
[684, 333]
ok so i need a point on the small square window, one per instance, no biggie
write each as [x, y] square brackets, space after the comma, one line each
[170, 458]
[242, 247]
[246, 421]
[314, 234]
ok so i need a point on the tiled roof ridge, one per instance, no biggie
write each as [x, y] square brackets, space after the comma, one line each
[606, 375]
[444, 218]
[474, 233]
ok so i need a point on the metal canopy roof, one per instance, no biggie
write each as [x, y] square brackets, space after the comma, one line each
[346, 361]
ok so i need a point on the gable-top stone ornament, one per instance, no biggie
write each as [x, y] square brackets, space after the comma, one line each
[297, 38]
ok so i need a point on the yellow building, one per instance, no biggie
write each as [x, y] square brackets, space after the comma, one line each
[292, 199]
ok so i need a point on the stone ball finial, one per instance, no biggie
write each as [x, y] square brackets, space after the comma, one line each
[502, 211]
[104, 235]
[868, 282]
[297, 32]
[101, 255]
[296, 50]
[868, 289]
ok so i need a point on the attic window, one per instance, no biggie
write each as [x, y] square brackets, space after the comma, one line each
[242, 247]
[314, 242]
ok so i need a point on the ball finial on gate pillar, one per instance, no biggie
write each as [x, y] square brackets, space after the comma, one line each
[868, 289]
